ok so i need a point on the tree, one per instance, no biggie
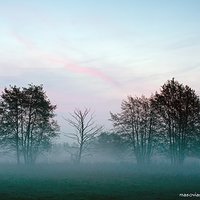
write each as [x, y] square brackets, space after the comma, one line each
[112, 145]
[178, 107]
[85, 129]
[136, 122]
[27, 121]
[11, 112]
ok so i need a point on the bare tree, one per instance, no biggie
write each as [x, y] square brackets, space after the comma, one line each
[136, 123]
[85, 129]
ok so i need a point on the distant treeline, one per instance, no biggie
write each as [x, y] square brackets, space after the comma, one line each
[167, 124]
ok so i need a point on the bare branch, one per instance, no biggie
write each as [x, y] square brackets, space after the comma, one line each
[85, 128]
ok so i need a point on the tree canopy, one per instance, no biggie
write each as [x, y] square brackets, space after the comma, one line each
[27, 121]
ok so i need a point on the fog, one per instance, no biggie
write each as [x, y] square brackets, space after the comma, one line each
[101, 174]
[64, 154]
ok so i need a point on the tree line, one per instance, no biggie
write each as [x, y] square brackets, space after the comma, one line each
[167, 124]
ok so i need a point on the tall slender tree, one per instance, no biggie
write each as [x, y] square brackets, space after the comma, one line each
[11, 112]
[85, 129]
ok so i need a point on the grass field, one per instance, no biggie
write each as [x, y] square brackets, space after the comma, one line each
[96, 182]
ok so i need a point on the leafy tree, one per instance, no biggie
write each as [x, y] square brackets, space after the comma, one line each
[27, 121]
[11, 113]
[85, 129]
[178, 108]
[112, 145]
[136, 122]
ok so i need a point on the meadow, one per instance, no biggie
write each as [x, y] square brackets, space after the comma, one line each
[96, 182]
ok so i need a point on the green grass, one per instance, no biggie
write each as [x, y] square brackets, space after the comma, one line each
[95, 182]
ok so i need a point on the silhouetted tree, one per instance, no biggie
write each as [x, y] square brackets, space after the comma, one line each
[85, 129]
[136, 122]
[178, 108]
[112, 145]
[27, 121]
[11, 112]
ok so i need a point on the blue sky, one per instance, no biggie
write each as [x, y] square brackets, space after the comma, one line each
[95, 53]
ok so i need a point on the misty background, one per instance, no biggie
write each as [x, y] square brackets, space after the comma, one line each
[99, 99]
[94, 54]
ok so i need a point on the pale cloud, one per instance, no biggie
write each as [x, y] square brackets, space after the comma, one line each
[28, 44]
[57, 61]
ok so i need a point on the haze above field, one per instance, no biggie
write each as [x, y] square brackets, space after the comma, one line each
[95, 53]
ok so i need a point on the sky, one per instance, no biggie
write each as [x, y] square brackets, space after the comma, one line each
[94, 53]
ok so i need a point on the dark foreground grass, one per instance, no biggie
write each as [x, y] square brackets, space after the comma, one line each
[96, 182]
